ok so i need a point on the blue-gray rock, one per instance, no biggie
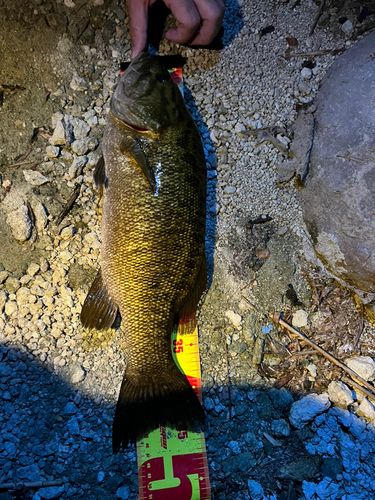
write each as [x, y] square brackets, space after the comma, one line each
[73, 426]
[29, 473]
[51, 492]
[307, 408]
[70, 408]
[123, 493]
[255, 490]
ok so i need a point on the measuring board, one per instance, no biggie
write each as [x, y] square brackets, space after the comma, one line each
[172, 464]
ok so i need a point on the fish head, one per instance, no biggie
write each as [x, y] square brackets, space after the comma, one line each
[146, 98]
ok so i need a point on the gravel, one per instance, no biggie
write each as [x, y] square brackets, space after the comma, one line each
[59, 384]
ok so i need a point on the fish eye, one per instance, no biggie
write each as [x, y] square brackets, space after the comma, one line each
[161, 78]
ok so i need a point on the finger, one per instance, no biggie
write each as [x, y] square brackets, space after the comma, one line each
[188, 20]
[138, 14]
[212, 14]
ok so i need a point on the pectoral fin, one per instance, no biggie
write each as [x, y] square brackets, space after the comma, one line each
[98, 311]
[133, 149]
[99, 174]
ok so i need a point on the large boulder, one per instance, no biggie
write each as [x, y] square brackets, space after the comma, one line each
[338, 197]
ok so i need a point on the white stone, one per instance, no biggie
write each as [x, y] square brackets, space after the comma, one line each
[56, 117]
[78, 83]
[239, 128]
[19, 222]
[77, 374]
[80, 128]
[52, 151]
[66, 256]
[41, 217]
[58, 136]
[77, 166]
[300, 318]
[364, 366]
[347, 27]
[367, 410]
[306, 73]
[23, 296]
[34, 177]
[307, 408]
[340, 394]
[11, 308]
[67, 232]
[312, 370]
[234, 318]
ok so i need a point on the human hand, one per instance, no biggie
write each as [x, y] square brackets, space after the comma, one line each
[198, 21]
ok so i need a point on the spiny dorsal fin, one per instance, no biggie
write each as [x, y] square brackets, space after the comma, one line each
[187, 320]
[132, 148]
[98, 311]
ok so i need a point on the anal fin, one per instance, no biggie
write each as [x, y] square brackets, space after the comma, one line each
[98, 311]
[187, 320]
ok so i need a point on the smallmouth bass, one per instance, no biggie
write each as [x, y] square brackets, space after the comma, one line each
[153, 270]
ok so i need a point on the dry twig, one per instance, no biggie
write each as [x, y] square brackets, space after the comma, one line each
[20, 164]
[349, 381]
[34, 484]
[277, 319]
[317, 17]
[69, 205]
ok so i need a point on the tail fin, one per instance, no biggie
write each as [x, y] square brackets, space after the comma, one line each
[142, 408]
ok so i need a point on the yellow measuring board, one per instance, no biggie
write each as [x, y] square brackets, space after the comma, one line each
[172, 464]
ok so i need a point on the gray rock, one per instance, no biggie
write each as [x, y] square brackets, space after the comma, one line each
[302, 468]
[280, 428]
[307, 408]
[82, 146]
[340, 394]
[338, 199]
[80, 128]
[78, 83]
[20, 223]
[34, 177]
[280, 398]
[242, 462]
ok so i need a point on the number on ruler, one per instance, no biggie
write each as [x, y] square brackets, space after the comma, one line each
[178, 346]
